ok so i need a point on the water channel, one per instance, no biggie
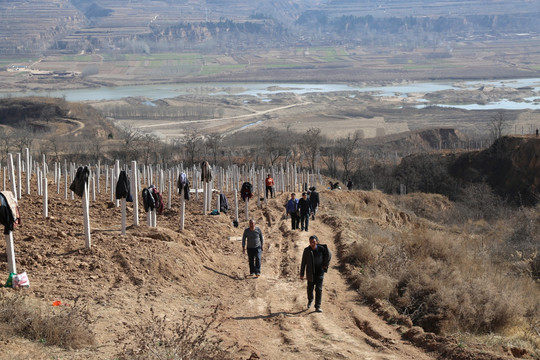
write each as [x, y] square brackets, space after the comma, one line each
[265, 89]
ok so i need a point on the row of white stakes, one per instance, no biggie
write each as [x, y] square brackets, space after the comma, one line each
[151, 216]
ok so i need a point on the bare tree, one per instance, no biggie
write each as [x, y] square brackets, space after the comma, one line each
[148, 144]
[6, 142]
[274, 144]
[498, 125]
[329, 159]
[192, 144]
[213, 143]
[346, 149]
[311, 145]
[23, 138]
[48, 113]
[130, 137]
[55, 147]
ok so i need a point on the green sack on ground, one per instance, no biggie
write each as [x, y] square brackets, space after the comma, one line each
[9, 282]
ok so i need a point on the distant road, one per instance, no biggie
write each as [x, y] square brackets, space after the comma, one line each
[256, 113]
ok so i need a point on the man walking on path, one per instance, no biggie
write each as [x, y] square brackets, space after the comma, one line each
[305, 208]
[314, 201]
[254, 238]
[315, 260]
[292, 209]
[269, 186]
[349, 184]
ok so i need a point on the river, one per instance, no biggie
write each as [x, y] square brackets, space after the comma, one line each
[262, 90]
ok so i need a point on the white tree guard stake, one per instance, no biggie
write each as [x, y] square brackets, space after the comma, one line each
[55, 173]
[45, 198]
[205, 200]
[295, 178]
[210, 192]
[10, 251]
[139, 177]
[247, 209]
[113, 184]
[58, 178]
[154, 217]
[169, 197]
[161, 180]
[66, 181]
[124, 216]
[195, 183]
[135, 192]
[98, 174]
[72, 176]
[39, 182]
[44, 166]
[4, 174]
[11, 172]
[28, 170]
[236, 205]
[218, 203]
[145, 175]
[19, 178]
[183, 208]
[106, 179]
[93, 178]
[86, 217]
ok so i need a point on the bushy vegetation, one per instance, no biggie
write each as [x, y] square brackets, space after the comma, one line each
[473, 272]
[65, 326]
[187, 340]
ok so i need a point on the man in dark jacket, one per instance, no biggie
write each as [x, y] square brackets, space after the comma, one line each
[305, 208]
[254, 238]
[315, 261]
[291, 208]
[314, 201]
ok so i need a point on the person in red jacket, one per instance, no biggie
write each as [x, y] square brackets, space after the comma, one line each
[269, 186]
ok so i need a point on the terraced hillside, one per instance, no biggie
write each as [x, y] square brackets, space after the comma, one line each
[32, 26]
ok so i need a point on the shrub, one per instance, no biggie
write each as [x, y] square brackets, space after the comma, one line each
[186, 340]
[68, 327]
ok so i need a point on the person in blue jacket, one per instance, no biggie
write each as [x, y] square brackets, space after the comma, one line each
[292, 209]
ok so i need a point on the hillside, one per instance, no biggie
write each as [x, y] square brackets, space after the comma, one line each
[131, 290]
[54, 126]
[76, 26]
[511, 166]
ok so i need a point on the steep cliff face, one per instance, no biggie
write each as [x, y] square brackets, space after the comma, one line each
[511, 166]
[417, 141]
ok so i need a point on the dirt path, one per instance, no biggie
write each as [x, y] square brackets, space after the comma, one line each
[247, 116]
[80, 126]
[268, 315]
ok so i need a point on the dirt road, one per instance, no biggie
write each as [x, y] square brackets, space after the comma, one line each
[268, 315]
[239, 117]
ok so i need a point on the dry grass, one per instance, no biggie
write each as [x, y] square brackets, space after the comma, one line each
[475, 276]
[187, 340]
[67, 327]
